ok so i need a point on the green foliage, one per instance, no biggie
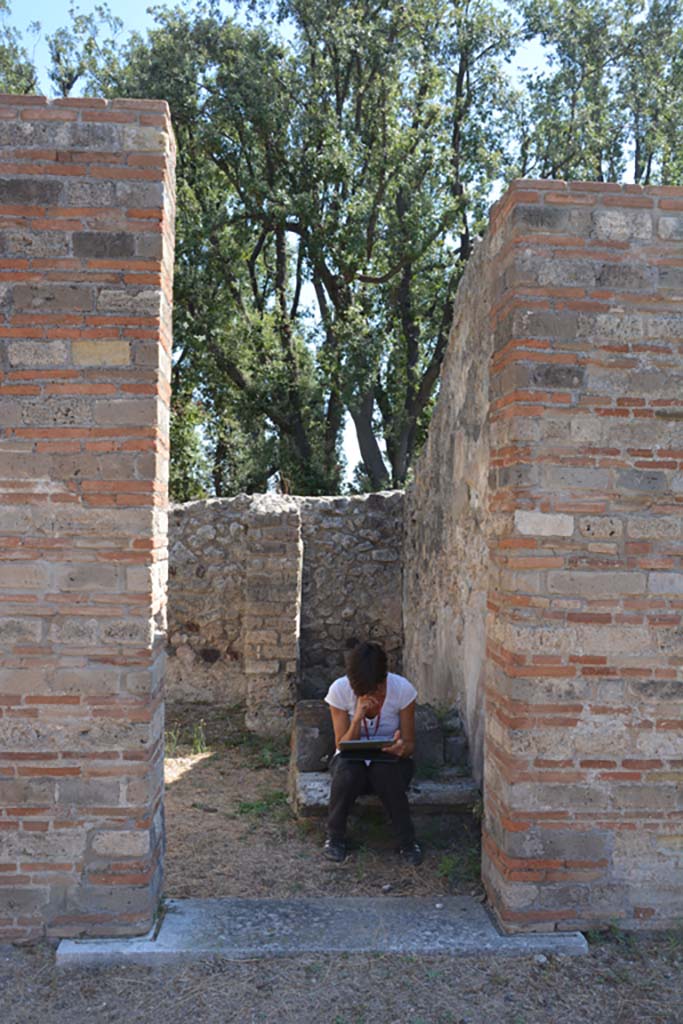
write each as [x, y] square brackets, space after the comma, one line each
[461, 866]
[171, 740]
[189, 472]
[611, 96]
[77, 51]
[336, 160]
[273, 801]
[199, 737]
[17, 72]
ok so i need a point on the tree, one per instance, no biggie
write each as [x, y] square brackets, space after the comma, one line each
[17, 72]
[336, 162]
[77, 51]
[650, 85]
[612, 98]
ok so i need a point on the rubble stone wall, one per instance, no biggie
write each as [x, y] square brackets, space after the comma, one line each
[86, 259]
[445, 578]
[351, 588]
[266, 592]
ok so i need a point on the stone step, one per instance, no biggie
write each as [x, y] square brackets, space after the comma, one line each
[241, 928]
[310, 794]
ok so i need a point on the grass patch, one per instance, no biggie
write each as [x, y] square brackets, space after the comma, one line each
[275, 800]
[460, 866]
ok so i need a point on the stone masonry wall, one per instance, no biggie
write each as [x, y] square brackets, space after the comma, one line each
[234, 605]
[266, 590]
[584, 744]
[86, 257]
[445, 578]
[351, 582]
[576, 311]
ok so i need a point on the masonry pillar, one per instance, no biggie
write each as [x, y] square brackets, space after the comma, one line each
[86, 256]
[584, 735]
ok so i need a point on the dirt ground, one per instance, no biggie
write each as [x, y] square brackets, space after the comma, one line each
[229, 832]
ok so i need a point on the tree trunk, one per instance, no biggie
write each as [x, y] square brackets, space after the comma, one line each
[367, 442]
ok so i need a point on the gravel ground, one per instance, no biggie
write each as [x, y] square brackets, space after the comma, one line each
[229, 832]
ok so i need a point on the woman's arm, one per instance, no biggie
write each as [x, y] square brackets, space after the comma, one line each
[404, 737]
[346, 728]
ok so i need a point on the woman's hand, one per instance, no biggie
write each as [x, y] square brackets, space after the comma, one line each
[399, 747]
[367, 706]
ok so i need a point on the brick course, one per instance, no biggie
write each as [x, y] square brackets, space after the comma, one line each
[86, 257]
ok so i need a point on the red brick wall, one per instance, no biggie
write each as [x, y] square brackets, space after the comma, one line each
[584, 693]
[86, 256]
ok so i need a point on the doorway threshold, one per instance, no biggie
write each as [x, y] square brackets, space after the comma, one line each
[243, 929]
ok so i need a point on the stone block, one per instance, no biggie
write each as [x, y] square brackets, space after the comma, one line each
[141, 195]
[429, 749]
[128, 302]
[38, 354]
[89, 792]
[18, 630]
[103, 245]
[103, 352]
[57, 412]
[27, 191]
[650, 481]
[74, 630]
[601, 527]
[125, 411]
[576, 478]
[670, 228]
[145, 139]
[89, 193]
[96, 679]
[553, 376]
[665, 583]
[89, 576]
[312, 741]
[456, 751]
[138, 631]
[34, 245]
[45, 298]
[56, 845]
[543, 524]
[622, 225]
[21, 575]
[596, 584]
[123, 843]
[531, 218]
[17, 902]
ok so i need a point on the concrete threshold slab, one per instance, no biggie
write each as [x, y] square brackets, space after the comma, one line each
[241, 929]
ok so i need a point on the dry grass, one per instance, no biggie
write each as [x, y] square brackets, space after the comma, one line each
[617, 983]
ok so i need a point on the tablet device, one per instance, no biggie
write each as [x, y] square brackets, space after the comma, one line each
[362, 745]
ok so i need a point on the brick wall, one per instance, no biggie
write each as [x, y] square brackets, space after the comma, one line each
[86, 255]
[584, 702]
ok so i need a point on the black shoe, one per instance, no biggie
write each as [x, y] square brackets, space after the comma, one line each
[334, 849]
[411, 853]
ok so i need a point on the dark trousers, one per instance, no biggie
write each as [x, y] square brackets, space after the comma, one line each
[389, 779]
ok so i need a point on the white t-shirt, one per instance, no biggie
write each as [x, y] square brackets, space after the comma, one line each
[400, 693]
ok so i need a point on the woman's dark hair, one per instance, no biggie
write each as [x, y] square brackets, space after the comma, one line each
[366, 667]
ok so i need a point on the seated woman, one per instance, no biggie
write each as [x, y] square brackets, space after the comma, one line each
[371, 703]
